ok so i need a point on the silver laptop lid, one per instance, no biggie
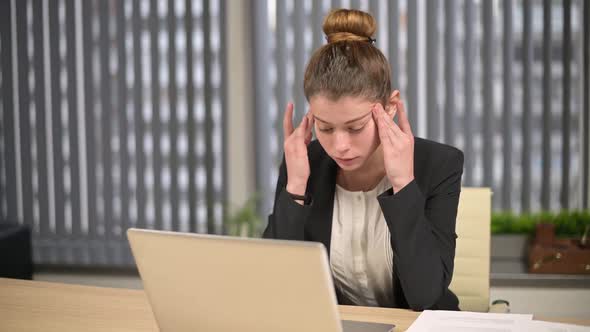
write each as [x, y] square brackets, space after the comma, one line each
[213, 283]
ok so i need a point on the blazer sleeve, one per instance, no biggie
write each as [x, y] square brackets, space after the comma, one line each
[423, 233]
[287, 219]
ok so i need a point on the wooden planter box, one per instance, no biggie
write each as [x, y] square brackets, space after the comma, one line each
[549, 254]
[565, 256]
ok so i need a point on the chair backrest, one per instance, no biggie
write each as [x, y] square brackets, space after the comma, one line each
[471, 276]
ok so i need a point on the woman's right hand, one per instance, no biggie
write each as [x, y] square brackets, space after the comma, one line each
[295, 147]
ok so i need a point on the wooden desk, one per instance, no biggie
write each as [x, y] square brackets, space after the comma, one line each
[43, 306]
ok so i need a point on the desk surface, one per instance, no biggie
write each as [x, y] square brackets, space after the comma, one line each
[43, 306]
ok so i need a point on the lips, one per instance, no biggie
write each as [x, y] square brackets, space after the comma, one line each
[346, 160]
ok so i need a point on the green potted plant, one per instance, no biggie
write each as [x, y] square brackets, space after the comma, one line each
[512, 232]
[244, 221]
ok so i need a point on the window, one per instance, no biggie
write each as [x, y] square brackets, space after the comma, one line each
[112, 117]
[498, 79]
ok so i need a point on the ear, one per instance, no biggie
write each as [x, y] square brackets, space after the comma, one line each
[391, 107]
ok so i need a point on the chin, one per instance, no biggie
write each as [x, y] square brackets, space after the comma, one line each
[348, 168]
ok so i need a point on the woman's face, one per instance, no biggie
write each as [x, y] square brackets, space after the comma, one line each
[346, 130]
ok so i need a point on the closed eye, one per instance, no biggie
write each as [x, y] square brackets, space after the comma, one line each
[356, 130]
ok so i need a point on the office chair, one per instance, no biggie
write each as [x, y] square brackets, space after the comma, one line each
[471, 276]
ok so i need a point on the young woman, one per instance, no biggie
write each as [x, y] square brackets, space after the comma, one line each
[382, 201]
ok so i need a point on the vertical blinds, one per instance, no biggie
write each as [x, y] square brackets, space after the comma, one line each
[497, 79]
[112, 117]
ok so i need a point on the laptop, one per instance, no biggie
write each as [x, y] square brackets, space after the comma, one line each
[198, 282]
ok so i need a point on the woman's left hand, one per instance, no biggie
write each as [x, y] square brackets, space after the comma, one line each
[398, 145]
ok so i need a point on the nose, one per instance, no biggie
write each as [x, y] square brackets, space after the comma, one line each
[342, 142]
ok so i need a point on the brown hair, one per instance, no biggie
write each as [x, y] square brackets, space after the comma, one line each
[349, 65]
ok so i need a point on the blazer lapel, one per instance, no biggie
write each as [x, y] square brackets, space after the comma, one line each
[318, 227]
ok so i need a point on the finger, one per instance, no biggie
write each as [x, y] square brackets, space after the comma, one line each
[288, 120]
[390, 143]
[376, 121]
[388, 120]
[393, 127]
[382, 127]
[395, 135]
[390, 134]
[302, 128]
[404, 123]
[309, 134]
[395, 96]
[309, 124]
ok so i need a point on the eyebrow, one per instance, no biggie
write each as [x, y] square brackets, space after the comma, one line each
[347, 122]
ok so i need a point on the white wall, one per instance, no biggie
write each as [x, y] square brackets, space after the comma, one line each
[240, 138]
[546, 302]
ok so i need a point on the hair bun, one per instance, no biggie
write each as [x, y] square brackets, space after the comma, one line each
[349, 24]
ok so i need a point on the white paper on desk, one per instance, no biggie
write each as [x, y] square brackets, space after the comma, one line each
[541, 326]
[463, 321]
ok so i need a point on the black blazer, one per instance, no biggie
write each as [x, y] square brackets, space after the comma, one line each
[421, 219]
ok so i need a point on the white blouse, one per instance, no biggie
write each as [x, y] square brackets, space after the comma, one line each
[361, 257]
